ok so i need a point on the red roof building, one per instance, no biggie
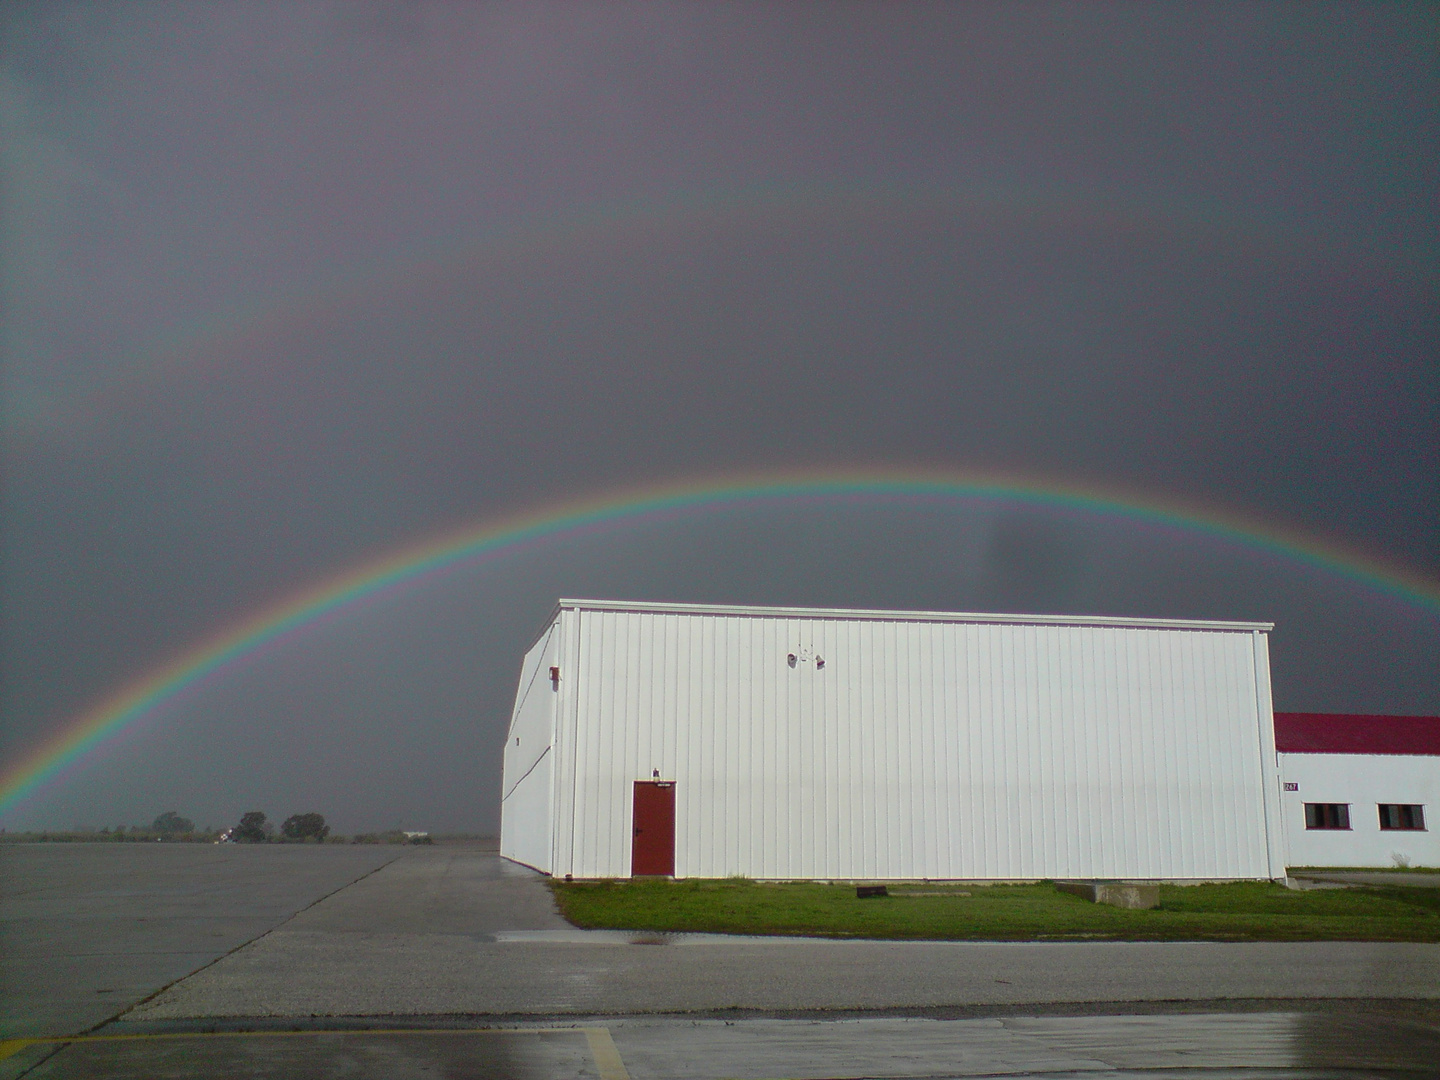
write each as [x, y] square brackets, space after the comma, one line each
[1359, 790]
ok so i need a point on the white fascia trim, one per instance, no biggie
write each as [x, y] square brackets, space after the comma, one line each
[656, 607]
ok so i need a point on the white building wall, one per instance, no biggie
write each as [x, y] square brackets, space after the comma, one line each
[1265, 710]
[527, 795]
[925, 748]
[1364, 781]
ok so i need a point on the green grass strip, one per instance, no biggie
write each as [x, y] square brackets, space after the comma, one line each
[1246, 911]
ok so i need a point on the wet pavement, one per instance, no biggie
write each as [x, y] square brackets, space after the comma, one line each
[399, 962]
[441, 933]
[87, 930]
[1365, 1041]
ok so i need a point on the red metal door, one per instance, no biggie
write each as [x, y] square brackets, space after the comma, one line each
[652, 847]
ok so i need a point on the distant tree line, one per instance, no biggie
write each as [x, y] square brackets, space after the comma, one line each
[254, 828]
[173, 827]
[169, 826]
[171, 823]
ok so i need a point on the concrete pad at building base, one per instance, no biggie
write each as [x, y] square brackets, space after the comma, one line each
[1121, 894]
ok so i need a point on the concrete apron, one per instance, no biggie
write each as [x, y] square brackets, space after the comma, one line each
[467, 936]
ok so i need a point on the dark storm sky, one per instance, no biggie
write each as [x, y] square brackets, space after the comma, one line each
[288, 286]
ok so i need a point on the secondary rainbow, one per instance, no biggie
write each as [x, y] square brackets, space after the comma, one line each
[273, 625]
[248, 330]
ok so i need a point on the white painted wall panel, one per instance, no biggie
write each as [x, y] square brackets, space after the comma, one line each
[1274, 811]
[527, 798]
[566, 749]
[925, 747]
[1364, 781]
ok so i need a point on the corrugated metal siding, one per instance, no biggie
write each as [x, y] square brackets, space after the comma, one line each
[527, 794]
[1270, 786]
[921, 750]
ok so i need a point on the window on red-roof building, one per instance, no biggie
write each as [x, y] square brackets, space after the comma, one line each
[1402, 816]
[1327, 815]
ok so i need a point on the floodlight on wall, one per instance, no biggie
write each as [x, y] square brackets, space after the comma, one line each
[790, 659]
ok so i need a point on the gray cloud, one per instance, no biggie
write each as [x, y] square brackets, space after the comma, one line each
[288, 286]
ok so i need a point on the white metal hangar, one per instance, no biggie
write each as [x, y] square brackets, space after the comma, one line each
[800, 743]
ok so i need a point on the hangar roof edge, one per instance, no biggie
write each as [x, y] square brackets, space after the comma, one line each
[661, 608]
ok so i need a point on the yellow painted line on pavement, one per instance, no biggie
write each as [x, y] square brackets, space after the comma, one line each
[158, 1035]
[10, 1047]
[602, 1047]
[607, 1057]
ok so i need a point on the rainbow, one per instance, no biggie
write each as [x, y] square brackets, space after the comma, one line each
[283, 620]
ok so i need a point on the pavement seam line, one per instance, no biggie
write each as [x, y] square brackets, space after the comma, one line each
[175, 982]
[606, 1054]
